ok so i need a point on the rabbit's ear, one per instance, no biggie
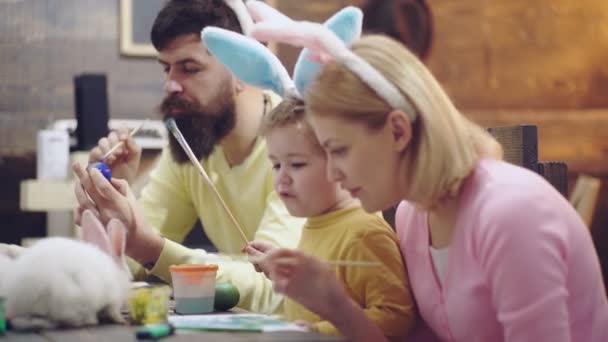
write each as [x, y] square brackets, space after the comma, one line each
[94, 233]
[261, 11]
[247, 59]
[346, 24]
[118, 238]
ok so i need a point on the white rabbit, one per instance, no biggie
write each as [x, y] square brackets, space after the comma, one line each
[64, 282]
[11, 251]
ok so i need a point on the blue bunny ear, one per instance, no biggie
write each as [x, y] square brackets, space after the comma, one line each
[247, 59]
[346, 24]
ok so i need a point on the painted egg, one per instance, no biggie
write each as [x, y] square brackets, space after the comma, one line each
[104, 169]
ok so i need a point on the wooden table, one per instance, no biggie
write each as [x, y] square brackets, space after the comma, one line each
[118, 333]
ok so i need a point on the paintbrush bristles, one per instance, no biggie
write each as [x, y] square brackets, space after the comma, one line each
[172, 126]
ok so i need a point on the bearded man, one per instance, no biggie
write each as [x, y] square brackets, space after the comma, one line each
[219, 117]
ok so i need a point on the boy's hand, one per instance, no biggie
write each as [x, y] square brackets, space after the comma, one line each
[307, 280]
[256, 250]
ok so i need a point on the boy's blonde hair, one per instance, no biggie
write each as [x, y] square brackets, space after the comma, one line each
[445, 145]
[291, 111]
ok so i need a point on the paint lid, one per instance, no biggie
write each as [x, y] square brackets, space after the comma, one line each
[193, 268]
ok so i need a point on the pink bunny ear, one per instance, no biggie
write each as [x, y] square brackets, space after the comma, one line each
[94, 233]
[327, 46]
[314, 36]
[261, 11]
[242, 15]
[118, 237]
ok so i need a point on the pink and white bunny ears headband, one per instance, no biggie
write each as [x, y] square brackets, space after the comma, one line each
[242, 15]
[255, 64]
[322, 43]
[328, 47]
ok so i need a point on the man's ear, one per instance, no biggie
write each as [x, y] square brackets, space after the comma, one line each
[400, 128]
[239, 85]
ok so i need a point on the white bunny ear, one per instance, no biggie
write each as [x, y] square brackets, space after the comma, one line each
[94, 233]
[118, 238]
[346, 24]
[260, 11]
[238, 6]
[248, 60]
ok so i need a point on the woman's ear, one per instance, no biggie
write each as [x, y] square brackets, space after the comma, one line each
[400, 128]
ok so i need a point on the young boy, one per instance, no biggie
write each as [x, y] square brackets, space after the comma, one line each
[337, 227]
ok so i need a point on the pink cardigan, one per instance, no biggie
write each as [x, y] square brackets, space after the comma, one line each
[521, 265]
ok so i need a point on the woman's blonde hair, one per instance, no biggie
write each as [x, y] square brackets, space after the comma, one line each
[445, 145]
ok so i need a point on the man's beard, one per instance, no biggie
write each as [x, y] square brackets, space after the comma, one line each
[202, 127]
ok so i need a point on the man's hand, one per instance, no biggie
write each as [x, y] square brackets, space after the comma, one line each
[114, 199]
[124, 161]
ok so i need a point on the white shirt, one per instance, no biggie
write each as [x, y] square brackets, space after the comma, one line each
[440, 261]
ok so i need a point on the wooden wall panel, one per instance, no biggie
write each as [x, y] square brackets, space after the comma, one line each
[522, 54]
[546, 54]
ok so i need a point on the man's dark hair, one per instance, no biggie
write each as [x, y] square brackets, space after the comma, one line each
[178, 17]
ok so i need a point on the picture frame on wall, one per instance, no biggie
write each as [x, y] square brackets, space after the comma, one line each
[136, 19]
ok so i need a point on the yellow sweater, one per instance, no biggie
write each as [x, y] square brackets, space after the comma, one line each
[177, 195]
[382, 291]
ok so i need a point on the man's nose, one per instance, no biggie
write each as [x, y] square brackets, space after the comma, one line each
[172, 86]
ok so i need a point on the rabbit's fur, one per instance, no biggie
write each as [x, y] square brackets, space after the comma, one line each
[64, 282]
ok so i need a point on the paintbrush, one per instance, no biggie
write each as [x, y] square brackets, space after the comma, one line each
[172, 126]
[261, 259]
[133, 132]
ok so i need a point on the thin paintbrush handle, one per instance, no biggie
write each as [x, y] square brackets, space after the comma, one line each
[259, 259]
[182, 141]
[120, 143]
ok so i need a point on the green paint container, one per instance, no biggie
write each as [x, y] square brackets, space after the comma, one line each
[2, 316]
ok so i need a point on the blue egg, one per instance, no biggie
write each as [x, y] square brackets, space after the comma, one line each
[104, 169]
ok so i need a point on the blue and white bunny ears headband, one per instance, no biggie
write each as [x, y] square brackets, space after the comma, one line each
[322, 43]
[255, 64]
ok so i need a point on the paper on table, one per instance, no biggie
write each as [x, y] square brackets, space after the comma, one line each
[233, 322]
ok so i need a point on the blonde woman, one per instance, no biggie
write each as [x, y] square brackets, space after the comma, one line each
[493, 252]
